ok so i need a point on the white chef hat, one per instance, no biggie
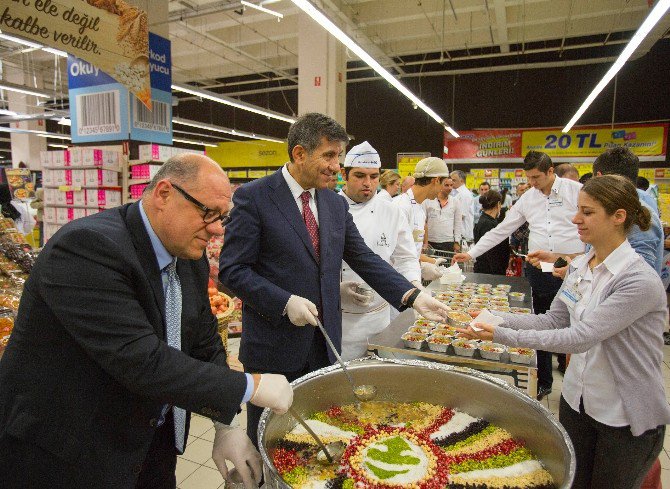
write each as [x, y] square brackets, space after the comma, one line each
[362, 156]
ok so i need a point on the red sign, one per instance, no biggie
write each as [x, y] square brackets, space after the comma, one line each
[317, 81]
[491, 144]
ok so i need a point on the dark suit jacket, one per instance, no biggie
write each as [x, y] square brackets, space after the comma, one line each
[267, 256]
[87, 369]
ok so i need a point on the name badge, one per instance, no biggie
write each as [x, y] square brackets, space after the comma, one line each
[556, 202]
[418, 235]
[570, 294]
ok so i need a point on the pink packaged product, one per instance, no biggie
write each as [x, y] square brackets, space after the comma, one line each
[95, 178]
[75, 197]
[155, 152]
[144, 171]
[137, 190]
[103, 197]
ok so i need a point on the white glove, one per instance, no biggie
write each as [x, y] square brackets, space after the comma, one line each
[430, 308]
[430, 271]
[301, 311]
[233, 444]
[273, 392]
[348, 293]
[440, 261]
[417, 284]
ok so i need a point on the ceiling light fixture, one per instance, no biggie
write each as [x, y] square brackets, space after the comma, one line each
[197, 143]
[63, 121]
[8, 112]
[225, 130]
[57, 52]
[222, 99]
[33, 45]
[65, 146]
[43, 134]
[18, 88]
[327, 24]
[652, 19]
[262, 9]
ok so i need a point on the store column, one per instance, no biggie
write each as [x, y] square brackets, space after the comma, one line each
[322, 72]
[25, 147]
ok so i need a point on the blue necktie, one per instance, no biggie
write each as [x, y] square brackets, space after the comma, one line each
[173, 322]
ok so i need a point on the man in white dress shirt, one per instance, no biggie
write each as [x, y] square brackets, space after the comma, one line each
[465, 199]
[383, 228]
[444, 223]
[548, 208]
[484, 188]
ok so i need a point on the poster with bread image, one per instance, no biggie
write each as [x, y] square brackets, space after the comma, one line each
[110, 34]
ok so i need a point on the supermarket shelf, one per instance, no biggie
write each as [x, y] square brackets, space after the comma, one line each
[95, 207]
[68, 188]
[138, 181]
[117, 170]
[130, 201]
[144, 162]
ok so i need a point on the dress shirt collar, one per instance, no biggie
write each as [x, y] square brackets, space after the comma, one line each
[163, 256]
[293, 185]
[353, 203]
[410, 194]
[616, 262]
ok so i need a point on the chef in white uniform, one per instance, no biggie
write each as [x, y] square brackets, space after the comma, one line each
[364, 312]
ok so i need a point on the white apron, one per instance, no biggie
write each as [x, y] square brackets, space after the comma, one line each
[379, 224]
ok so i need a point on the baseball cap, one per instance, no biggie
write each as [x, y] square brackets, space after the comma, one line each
[431, 167]
[362, 156]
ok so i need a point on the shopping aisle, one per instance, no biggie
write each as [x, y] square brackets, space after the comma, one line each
[196, 470]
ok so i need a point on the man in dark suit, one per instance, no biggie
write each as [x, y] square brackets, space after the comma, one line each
[283, 253]
[115, 342]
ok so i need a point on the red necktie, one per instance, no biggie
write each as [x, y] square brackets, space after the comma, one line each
[310, 222]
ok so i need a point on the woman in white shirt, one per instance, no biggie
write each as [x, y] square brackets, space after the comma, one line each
[610, 313]
[390, 183]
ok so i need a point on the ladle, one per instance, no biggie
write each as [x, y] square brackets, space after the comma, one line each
[333, 451]
[363, 392]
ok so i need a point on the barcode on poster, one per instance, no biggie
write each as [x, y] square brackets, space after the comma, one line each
[157, 119]
[98, 113]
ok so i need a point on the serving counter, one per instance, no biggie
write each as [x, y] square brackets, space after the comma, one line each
[388, 343]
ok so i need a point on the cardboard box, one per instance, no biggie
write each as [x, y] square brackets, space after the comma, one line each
[103, 197]
[101, 178]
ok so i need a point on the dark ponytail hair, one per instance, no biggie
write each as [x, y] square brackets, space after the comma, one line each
[615, 192]
[490, 199]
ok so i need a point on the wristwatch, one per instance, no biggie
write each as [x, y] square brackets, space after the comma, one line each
[412, 297]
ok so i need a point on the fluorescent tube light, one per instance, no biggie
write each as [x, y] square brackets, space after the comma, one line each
[7, 112]
[18, 40]
[652, 19]
[262, 9]
[18, 88]
[63, 121]
[225, 130]
[57, 52]
[197, 143]
[43, 134]
[326, 23]
[222, 99]
[64, 146]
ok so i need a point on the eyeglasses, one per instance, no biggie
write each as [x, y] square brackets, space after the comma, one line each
[210, 215]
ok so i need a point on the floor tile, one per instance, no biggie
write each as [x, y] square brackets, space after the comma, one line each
[184, 469]
[665, 460]
[208, 435]
[198, 451]
[665, 478]
[199, 425]
[203, 478]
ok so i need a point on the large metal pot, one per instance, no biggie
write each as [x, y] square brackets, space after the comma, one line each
[411, 380]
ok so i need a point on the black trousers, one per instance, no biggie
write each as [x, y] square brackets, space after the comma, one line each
[317, 358]
[544, 288]
[447, 246]
[609, 457]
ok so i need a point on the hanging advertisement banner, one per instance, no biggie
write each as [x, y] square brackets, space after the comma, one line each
[155, 125]
[581, 145]
[111, 35]
[99, 105]
[483, 146]
[645, 140]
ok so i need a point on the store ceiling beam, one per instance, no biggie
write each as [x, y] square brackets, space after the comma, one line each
[501, 25]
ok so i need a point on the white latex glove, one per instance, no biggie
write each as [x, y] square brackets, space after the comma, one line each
[233, 444]
[348, 293]
[301, 311]
[430, 271]
[273, 392]
[417, 284]
[440, 261]
[431, 308]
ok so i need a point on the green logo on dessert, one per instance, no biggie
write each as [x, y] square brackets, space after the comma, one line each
[395, 457]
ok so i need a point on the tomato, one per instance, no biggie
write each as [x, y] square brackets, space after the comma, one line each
[212, 291]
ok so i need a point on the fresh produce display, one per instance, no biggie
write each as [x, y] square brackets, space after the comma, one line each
[418, 445]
